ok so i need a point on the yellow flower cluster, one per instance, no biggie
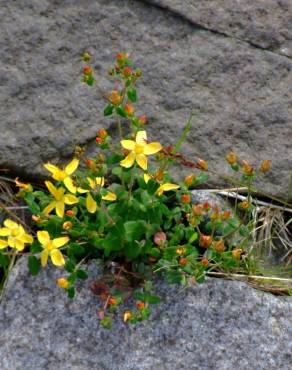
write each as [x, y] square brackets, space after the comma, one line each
[15, 236]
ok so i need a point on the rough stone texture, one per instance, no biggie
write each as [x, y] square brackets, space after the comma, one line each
[218, 325]
[266, 24]
[240, 92]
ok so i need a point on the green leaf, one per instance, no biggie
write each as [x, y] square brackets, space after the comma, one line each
[244, 231]
[113, 159]
[154, 252]
[81, 274]
[69, 266]
[173, 277]
[71, 292]
[35, 247]
[132, 95]
[193, 237]
[32, 205]
[76, 249]
[152, 186]
[106, 322]
[108, 111]
[33, 265]
[135, 229]
[150, 298]
[121, 112]
[132, 250]
[4, 260]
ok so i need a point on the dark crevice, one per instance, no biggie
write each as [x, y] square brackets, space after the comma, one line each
[198, 26]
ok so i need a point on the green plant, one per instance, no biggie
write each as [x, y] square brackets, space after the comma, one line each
[128, 212]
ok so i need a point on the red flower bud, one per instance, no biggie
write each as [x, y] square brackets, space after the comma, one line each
[87, 70]
[205, 262]
[142, 120]
[127, 71]
[140, 305]
[99, 140]
[69, 213]
[185, 198]
[205, 241]
[102, 133]
[183, 261]
[129, 109]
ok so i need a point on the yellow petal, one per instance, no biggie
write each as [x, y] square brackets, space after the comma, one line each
[49, 208]
[44, 257]
[51, 168]
[59, 242]
[68, 182]
[26, 238]
[43, 237]
[91, 182]
[110, 196]
[128, 144]
[152, 148]
[3, 244]
[11, 242]
[141, 159]
[82, 191]
[166, 187]
[10, 224]
[60, 208]
[52, 189]
[5, 231]
[19, 245]
[141, 137]
[146, 177]
[72, 166]
[57, 257]
[99, 181]
[129, 160]
[91, 204]
[70, 199]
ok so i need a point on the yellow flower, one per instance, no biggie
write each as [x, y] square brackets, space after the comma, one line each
[163, 187]
[16, 236]
[91, 204]
[60, 200]
[51, 248]
[139, 150]
[64, 175]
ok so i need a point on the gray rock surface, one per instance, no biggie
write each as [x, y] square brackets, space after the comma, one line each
[241, 93]
[266, 24]
[217, 325]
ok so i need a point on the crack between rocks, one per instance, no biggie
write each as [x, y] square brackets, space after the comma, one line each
[198, 26]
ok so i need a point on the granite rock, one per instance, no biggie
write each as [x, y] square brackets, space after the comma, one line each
[265, 24]
[241, 94]
[220, 324]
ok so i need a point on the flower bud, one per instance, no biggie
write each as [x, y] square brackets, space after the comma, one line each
[129, 109]
[86, 57]
[140, 305]
[67, 225]
[160, 238]
[206, 206]
[102, 133]
[127, 316]
[265, 166]
[244, 205]
[142, 120]
[63, 283]
[98, 140]
[138, 72]
[112, 301]
[248, 170]
[180, 251]
[226, 214]
[89, 163]
[121, 56]
[236, 253]
[69, 213]
[189, 180]
[183, 261]
[185, 198]
[87, 70]
[203, 165]
[115, 97]
[205, 241]
[231, 158]
[219, 246]
[197, 209]
[36, 219]
[127, 71]
[205, 262]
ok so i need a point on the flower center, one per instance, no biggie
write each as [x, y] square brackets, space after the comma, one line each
[139, 149]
